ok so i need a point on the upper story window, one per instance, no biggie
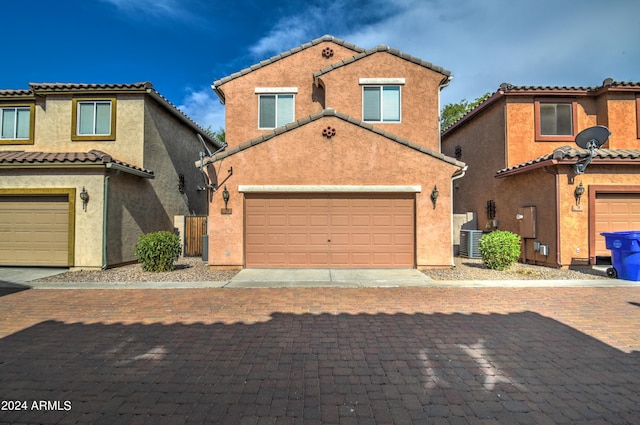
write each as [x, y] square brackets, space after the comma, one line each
[381, 99]
[16, 124]
[94, 119]
[555, 119]
[276, 106]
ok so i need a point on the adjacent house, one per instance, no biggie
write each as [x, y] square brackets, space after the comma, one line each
[333, 161]
[520, 148]
[85, 169]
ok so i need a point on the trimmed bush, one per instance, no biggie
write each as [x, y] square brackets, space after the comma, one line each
[158, 251]
[499, 249]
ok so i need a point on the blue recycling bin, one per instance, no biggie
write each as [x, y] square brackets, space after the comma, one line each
[625, 254]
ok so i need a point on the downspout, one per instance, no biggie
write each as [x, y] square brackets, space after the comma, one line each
[105, 217]
[557, 189]
[462, 173]
[444, 83]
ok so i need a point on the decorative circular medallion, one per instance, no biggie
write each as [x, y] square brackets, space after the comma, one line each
[327, 52]
[329, 132]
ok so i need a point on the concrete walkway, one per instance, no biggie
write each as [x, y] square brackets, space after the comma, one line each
[287, 278]
[22, 278]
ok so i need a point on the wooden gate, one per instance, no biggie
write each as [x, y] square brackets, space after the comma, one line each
[195, 227]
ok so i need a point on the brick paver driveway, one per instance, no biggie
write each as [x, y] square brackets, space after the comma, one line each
[321, 356]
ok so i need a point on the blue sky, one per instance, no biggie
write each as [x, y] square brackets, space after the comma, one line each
[182, 46]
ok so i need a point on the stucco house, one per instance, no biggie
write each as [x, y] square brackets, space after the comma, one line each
[85, 169]
[333, 161]
[520, 147]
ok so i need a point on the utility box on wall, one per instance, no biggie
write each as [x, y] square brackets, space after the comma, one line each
[527, 221]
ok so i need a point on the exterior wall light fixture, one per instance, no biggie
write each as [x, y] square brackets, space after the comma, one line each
[578, 192]
[84, 196]
[434, 196]
[225, 198]
[181, 183]
[491, 209]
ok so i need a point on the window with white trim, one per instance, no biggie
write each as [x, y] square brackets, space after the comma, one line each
[275, 109]
[15, 123]
[94, 118]
[381, 103]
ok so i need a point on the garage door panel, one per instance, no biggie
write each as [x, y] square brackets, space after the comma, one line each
[340, 220]
[363, 239]
[317, 259]
[277, 239]
[380, 220]
[318, 220]
[300, 240]
[337, 230]
[615, 212]
[34, 230]
[361, 220]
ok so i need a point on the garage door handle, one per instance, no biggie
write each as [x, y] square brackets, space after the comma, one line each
[328, 240]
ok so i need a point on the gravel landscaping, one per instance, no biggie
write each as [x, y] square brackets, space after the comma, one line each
[472, 269]
[193, 269]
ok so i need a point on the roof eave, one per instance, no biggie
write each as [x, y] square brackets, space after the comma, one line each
[474, 112]
[331, 113]
[129, 170]
[571, 162]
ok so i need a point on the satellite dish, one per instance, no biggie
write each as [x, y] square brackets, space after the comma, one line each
[591, 138]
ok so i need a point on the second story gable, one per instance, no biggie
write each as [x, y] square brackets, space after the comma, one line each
[64, 118]
[382, 87]
[527, 122]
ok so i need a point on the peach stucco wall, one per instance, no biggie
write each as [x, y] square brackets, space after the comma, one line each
[483, 150]
[354, 156]
[296, 70]
[560, 223]
[338, 89]
[419, 95]
[522, 144]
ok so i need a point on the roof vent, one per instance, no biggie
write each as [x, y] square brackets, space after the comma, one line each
[506, 86]
[327, 52]
[607, 82]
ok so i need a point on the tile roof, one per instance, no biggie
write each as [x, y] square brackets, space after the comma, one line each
[283, 55]
[570, 155]
[64, 87]
[383, 48]
[510, 89]
[332, 113]
[607, 83]
[91, 157]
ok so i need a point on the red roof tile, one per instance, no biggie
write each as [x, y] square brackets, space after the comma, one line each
[570, 155]
[91, 157]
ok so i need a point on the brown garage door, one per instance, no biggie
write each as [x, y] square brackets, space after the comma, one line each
[34, 231]
[338, 230]
[615, 212]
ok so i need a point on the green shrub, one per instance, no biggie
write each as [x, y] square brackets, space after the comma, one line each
[499, 249]
[158, 251]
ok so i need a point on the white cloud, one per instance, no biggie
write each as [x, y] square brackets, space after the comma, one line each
[289, 32]
[204, 107]
[484, 44]
[157, 8]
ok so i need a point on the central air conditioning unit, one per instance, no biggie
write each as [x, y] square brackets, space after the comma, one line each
[469, 240]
